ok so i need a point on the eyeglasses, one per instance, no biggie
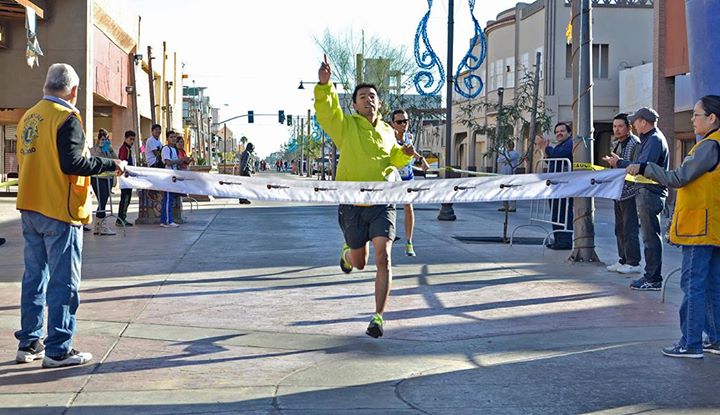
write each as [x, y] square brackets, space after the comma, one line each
[699, 115]
[401, 121]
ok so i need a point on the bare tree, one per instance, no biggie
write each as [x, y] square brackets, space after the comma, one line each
[512, 117]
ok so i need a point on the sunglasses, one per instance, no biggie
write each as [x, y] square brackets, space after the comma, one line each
[401, 121]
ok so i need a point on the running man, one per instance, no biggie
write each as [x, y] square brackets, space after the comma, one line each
[400, 123]
[368, 153]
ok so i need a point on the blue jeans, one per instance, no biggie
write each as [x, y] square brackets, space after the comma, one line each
[649, 206]
[700, 308]
[166, 211]
[53, 258]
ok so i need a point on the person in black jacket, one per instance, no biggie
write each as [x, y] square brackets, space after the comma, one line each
[246, 166]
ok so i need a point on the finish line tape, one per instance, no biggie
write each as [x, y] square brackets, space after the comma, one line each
[604, 184]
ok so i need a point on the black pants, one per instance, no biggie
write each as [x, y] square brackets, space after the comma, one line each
[101, 187]
[627, 232]
[557, 214]
[125, 196]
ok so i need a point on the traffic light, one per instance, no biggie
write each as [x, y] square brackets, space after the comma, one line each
[251, 117]
[289, 119]
[281, 117]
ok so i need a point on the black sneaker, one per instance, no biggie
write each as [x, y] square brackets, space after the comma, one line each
[680, 351]
[644, 284]
[713, 348]
[375, 328]
[122, 222]
[35, 351]
[71, 358]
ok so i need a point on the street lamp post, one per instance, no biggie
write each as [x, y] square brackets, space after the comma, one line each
[322, 149]
[446, 209]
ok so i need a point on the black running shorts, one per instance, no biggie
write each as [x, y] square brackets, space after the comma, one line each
[361, 224]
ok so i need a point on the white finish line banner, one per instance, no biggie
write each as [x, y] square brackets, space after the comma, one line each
[605, 184]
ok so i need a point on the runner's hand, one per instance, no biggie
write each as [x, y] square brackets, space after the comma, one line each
[324, 73]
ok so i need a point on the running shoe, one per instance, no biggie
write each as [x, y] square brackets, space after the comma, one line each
[409, 251]
[375, 328]
[344, 264]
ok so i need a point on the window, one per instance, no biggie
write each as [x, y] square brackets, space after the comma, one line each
[568, 61]
[600, 54]
[524, 67]
[500, 73]
[491, 76]
[510, 72]
[600, 58]
[542, 60]
[10, 139]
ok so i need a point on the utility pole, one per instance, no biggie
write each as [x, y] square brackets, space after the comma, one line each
[309, 154]
[533, 113]
[584, 243]
[302, 153]
[224, 146]
[151, 78]
[446, 209]
[496, 139]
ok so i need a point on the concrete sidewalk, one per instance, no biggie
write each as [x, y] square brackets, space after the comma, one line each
[244, 310]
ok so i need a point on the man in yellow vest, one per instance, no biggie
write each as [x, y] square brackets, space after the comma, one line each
[54, 202]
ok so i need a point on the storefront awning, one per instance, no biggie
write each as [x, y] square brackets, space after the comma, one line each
[15, 9]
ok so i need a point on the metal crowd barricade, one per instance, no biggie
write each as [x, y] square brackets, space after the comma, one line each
[541, 210]
[108, 211]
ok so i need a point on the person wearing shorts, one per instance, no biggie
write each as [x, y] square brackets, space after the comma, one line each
[369, 153]
[403, 136]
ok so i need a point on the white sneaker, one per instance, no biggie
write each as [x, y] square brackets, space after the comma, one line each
[629, 269]
[105, 230]
[614, 267]
[72, 358]
[169, 225]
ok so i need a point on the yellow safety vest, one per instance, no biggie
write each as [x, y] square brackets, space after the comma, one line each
[696, 220]
[43, 187]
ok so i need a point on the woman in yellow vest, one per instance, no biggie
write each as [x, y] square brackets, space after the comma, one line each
[696, 227]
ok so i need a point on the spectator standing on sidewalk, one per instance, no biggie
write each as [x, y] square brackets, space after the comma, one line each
[400, 123]
[153, 148]
[125, 153]
[245, 166]
[563, 150]
[508, 160]
[369, 153]
[102, 185]
[54, 201]
[627, 228]
[171, 160]
[650, 198]
[182, 154]
[696, 227]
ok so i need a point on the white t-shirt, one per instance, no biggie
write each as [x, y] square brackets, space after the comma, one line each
[170, 154]
[151, 144]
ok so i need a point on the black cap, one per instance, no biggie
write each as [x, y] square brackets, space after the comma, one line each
[647, 114]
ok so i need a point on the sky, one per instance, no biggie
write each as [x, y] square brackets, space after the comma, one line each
[252, 55]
